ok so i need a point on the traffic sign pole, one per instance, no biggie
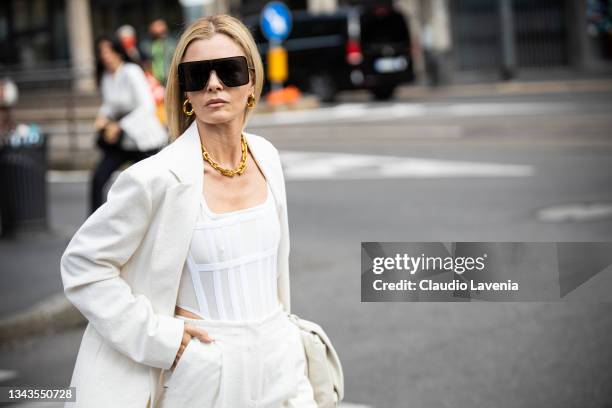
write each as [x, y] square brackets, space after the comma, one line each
[275, 23]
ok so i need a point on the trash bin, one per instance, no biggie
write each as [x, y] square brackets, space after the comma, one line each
[23, 186]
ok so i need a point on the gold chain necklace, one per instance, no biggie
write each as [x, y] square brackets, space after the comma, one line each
[224, 171]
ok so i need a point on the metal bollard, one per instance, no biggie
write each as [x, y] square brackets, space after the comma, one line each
[23, 186]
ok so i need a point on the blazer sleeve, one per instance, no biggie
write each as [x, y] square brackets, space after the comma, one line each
[91, 274]
[283, 280]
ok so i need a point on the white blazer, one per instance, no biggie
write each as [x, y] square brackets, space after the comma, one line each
[122, 271]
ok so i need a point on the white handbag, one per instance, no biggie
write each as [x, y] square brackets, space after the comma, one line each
[323, 367]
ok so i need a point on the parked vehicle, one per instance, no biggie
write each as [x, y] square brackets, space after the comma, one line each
[355, 47]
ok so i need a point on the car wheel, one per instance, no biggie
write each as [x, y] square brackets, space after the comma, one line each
[383, 93]
[322, 86]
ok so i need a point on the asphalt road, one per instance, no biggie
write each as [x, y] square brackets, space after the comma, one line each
[514, 168]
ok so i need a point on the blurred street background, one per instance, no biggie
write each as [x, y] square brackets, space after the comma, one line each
[440, 120]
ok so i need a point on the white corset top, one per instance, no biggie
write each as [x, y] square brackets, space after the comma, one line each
[231, 272]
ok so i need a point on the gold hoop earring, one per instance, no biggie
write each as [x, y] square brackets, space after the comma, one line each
[185, 111]
[251, 101]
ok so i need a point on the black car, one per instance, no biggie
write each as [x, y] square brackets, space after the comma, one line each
[355, 47]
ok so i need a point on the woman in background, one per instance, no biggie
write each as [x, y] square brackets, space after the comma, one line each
[127, 124]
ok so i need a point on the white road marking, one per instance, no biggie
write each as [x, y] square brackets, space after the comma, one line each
[299, 165]
[506, 108]
[6, 375]
[580, 212]
[68, 176]
[440, 168]
[364, 112]
[354, 111]
[325, 165]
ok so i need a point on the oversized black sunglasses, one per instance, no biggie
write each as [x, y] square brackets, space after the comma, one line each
[232, 71]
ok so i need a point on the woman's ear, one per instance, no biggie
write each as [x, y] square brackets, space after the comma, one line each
[252, 78]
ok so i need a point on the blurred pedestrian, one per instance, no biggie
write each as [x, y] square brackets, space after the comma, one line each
[8, 98]
[159, 93]
[127, 125]
[432, 62]
[128, 38]
[159, 48]
[11, 131]
[129, 41]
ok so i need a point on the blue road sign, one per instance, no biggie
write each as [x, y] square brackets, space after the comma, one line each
[275, 21]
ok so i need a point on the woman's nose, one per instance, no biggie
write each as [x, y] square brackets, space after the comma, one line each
[214, 82]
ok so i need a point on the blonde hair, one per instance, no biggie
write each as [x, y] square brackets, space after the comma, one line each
[205, 28]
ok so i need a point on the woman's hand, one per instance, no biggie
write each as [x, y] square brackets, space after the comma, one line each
[189, 332]
[100, 123]
[111, 132]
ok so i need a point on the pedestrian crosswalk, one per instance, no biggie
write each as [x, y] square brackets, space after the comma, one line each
[6, 375]
[299, 165]
[376, 111]
[302, 165]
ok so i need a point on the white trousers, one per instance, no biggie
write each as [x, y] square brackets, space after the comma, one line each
[256, 363]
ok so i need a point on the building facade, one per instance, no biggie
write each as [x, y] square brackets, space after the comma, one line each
[50, 42]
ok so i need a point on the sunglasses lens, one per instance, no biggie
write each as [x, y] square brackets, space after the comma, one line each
[233, 71]
[193, 76]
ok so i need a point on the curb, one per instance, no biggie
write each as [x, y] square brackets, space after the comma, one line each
[49, 315]
[517, 87]
[305, 102]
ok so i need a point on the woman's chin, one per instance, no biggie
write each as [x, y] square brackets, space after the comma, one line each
[215, 118]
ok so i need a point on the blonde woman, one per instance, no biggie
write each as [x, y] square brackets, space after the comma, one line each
[183, 274]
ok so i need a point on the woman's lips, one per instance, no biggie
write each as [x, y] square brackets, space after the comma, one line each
[216, 104]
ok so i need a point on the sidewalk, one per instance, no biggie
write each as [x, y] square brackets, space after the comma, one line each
[421, 93]
[32, 300]
[510, 88]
